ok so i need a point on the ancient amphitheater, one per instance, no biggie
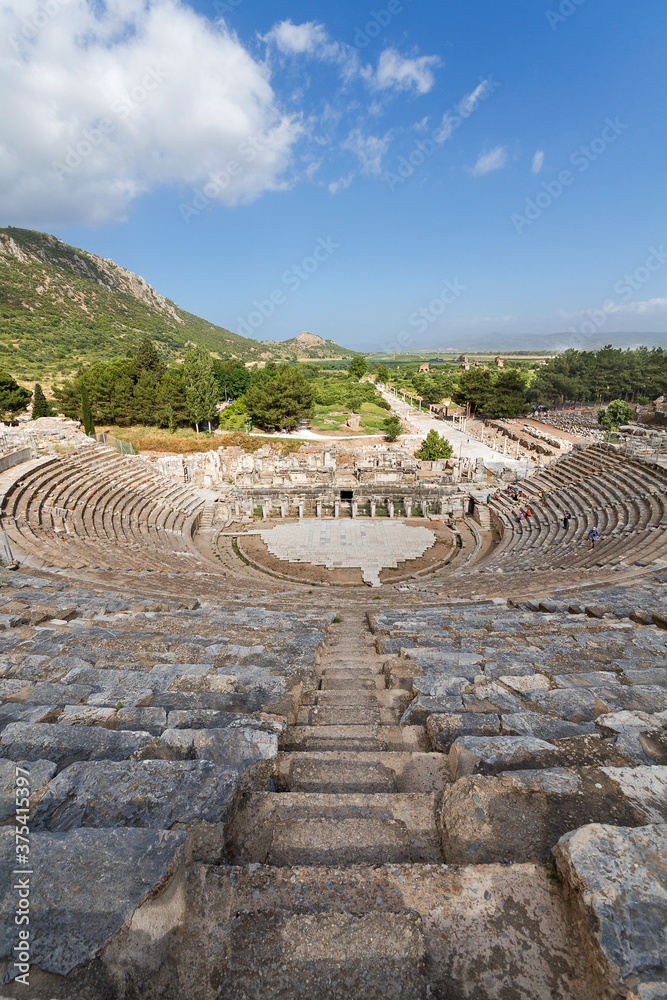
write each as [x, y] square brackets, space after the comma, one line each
[256, 777]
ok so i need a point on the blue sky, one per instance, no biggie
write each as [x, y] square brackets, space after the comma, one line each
[402, 175]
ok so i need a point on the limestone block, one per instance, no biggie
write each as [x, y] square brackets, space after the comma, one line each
[443, 730]
[586, 679]
[519, 816]
[490, 755]
[421, 707]
[251, 750]
[151, 793]
[92, 883]
[617, 880]
[65, 745]
[217, 683]
[435, 685]
[544, 727]
[478, 755]
[576, 705]
[523, 684]
[40, 773]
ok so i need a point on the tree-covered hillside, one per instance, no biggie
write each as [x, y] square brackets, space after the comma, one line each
[61, 307]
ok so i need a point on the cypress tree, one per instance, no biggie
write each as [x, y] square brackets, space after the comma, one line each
[40, 406]
[87, 413]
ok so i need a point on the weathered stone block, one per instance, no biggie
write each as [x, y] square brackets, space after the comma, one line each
[89, 885]
[617, 880]
[40, 773]
[518, 816]
[65, 745]
[421, 707]
[154, 793]
[443, 730]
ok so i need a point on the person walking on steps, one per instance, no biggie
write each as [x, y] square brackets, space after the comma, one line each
[593, 536]
[566, 519]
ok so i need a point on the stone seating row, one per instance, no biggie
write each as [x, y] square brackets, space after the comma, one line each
[625, 500]
[58, 509]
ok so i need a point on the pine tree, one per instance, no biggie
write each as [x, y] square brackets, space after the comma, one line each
[13, 397]
[87, 413]
[40, 406]
[434, 448]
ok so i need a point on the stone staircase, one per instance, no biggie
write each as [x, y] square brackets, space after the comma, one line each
[336, 887]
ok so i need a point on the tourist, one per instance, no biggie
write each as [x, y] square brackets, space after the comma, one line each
[544, 495]
[527, 511]
[520, 516]
[566, 518]
[593, 536]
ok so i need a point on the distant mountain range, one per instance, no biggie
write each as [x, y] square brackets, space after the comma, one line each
[61, 307]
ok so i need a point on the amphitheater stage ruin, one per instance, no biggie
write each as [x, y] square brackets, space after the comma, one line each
[221, 779]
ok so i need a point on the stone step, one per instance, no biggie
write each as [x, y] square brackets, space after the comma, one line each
[390, 738]
[352, 683]
[278, 956]
[382, 697]
[348, 716]
[352, 672]
[340, 777]
[267, 923]
[325, 841]
[334, 829]
[413, 772]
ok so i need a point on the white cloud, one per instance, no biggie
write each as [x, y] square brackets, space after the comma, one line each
[394, 71]
[369, 149]
[647, 307]
[312, 39]
[494, 160]
[468, 104]
[297, 39]
[538, 161]
[340, 184]
[100, 104]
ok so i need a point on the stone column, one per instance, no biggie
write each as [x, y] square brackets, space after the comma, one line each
[354, 508]
[442, 505]
[302, 509]
[408, 507]
[283, 509]
[266, 509]
[319, 509]
[237, 508]
[424, 506]
[373, 508]
[390, 507]
[336, 508]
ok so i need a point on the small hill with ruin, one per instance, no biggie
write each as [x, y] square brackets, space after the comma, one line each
[63, 307]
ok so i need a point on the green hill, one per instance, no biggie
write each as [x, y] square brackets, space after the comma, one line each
[61, 307]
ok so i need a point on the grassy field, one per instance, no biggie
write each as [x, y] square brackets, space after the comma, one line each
[187, 442]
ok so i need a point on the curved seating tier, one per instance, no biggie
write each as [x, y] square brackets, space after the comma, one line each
[624, 499]
[58, 513]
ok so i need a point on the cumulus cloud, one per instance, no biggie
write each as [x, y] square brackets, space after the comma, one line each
[493, 160]
[370, 149]
[100, 103]
[538, 161]
[395, 71]
[297, 39]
